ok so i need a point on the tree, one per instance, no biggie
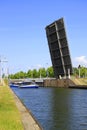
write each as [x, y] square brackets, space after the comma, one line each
[75, 71]
[29, 74]
[11, 76]
[22, 74]
[35, 73]
[50, 72]
[82, 71]
[43, 72]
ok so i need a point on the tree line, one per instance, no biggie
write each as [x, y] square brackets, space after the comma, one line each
[43, 72]
[80, 71]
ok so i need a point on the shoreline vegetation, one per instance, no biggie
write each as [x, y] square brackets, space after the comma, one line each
[10, 118]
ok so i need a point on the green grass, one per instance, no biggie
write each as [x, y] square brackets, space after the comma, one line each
[80, 81]
[9, 114]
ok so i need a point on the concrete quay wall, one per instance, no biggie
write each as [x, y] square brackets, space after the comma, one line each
[61, 83]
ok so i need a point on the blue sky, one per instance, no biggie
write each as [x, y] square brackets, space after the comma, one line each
[23, 39]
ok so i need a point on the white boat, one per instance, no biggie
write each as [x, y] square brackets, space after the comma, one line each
[28, 85]
[14, 85]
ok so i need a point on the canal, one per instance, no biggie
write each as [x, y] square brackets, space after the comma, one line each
[56, 108]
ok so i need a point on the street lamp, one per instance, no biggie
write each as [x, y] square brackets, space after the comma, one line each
[79, 70]
[1, 69]
[47, 73]
[69, 73]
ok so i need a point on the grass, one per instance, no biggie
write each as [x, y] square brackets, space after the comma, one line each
[80, 81]
[9, 115]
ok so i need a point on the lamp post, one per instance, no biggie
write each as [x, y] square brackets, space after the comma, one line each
[1, 69]
[79, 70]
[47, 74]
[39, 67]
[40, 73]
[69, 73]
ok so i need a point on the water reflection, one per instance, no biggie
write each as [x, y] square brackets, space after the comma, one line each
[60, 109]
[71, 108]
[57, 108]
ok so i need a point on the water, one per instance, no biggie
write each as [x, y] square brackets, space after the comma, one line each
[57, 108]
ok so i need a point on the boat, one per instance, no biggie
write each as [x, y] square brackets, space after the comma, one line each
[14, 85]
[24, 84]
[28, 85]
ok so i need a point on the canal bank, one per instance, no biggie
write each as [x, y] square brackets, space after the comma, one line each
[28, 120]
[66, 83]
[9, 114]
[60, 83]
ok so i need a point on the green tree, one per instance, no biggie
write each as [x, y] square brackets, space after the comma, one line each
[35, 73]
[11, 76]
[50, 72]
[22, 74]
[43, 72]
[82, 71]
[29, 74]
[75, 71]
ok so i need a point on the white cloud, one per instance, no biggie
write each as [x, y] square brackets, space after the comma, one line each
[39, 66]
[82, 60]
